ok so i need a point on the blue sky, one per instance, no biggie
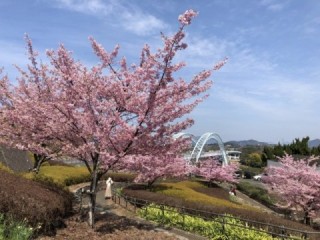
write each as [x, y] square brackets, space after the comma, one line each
[269, 90]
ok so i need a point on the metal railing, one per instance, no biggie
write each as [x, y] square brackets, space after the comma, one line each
[282, 232]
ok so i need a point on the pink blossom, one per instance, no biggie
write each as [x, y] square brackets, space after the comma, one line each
[109, 116]
[297, 183]
[220, 64]
[213, 170]
[151, 168]
[185, 19]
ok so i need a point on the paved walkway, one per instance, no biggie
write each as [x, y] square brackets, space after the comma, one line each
[246, 200]
[103, 205]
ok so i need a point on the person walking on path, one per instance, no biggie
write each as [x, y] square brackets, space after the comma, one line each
[233, 191]
[108, 193]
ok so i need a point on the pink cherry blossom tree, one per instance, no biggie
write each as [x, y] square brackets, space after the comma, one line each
[213, 170]
[105, 114]
[163, 166]
[20, 128]
[297, 183]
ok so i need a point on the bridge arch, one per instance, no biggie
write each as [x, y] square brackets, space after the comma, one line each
[198, 148]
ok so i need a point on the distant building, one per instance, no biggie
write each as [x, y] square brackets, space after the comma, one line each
[233, 155]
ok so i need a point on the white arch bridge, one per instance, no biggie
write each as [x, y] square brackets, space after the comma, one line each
[197, 151]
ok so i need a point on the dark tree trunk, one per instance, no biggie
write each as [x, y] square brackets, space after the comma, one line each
[92, 198]
[95, 176]
[38, 161]
[307, 219]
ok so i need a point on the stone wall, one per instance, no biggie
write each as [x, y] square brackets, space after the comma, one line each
[15, 159]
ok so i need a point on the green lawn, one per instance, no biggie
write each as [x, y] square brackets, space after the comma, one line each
[187, 190]
[64, 175]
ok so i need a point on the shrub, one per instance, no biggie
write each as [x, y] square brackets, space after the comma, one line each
[254, 160]
[120, 176]
[5, 168]
[190, 191]
[65, 175]
[57, 163]
[249, 172]
[72, 180]
[40, 205]
[47, 182]
[220, 228]
[13, 230]
[158, 195]
[256, 193]
[262, 196]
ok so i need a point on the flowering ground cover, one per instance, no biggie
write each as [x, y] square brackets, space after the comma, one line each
[195, 195]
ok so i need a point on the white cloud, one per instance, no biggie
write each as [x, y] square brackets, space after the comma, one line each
[125, 15]
[86, 6]
[205, 52]
[244, 59]
[252, 80]
[11, 53]
[141, 24]
[246, 101]
[204, 47]
[15, 54]
[273, 5]
[295, 92]
[272, 98]
[310, 26]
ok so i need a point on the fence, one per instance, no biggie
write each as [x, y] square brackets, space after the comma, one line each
[133, 204]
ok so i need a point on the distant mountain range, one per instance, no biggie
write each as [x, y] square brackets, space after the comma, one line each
[241, 143]
[244, 143]
[252, 142]
[314, 143]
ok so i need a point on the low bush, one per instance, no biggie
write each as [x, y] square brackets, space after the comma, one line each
[48, 182]
[195, 191]
[66, 175]
[185, 198]
[262, 196]
[5, 168]
[38, 204]
[62, 175]
[257, 193]
[72, 180]
[57, 163]
[120, 176]
[14, 230]
[220, 228]
[249, 172]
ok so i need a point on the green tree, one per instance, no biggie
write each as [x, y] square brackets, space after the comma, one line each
[278, 150]
[247, 150]
[254, 160]
[267, 154]
[297, 148]
[315, 151]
